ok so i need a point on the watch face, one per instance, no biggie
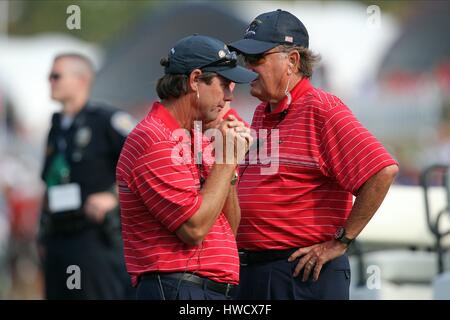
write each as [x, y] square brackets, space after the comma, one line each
[339, 233]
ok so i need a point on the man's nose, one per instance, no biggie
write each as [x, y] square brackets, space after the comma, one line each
[228, 95]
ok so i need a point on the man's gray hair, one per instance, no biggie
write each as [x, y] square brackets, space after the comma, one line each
[308, 59]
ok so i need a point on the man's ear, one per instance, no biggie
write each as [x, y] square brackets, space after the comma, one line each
[193, 80]
[294, 60]
[82, 80]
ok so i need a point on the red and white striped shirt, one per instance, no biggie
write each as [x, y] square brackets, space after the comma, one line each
[325, 155]
[159, 190]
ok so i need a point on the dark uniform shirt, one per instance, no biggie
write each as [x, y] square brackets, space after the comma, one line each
[85, 153]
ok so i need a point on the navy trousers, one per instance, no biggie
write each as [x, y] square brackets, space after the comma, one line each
[173, 289]
[274, 281]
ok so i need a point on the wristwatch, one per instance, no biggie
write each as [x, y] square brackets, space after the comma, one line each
[340, 236]
[234, 179]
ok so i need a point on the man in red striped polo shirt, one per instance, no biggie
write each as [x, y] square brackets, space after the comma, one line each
[313, 156]
[178, 225]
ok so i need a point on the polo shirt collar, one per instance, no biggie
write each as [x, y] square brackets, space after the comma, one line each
[160, 112]
[299, 90]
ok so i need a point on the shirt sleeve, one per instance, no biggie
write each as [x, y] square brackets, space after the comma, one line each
[348, 151]
[166, 184]
[50, 146]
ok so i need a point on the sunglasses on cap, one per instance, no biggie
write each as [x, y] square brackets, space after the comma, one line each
[229, 60]
[257, 59]
[54, 76]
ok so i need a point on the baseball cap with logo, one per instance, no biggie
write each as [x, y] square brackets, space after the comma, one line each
[208, 54]
[271, 29]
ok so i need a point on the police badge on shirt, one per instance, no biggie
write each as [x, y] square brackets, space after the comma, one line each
[82, 139]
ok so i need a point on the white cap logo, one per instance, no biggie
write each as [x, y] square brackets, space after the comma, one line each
[251, 30]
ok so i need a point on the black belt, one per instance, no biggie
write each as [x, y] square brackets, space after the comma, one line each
[253, 257]
[223, 288]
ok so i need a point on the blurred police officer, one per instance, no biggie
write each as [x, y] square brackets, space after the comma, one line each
[79, 237]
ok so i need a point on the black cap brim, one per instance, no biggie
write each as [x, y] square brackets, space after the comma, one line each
[238, 74]
[252, 46]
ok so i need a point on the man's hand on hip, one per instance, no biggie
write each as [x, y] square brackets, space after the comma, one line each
[315, 256]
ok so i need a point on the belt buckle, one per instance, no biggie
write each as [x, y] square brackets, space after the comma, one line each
[243, 256]
[228, 289]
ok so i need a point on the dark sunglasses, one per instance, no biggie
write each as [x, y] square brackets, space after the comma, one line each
[229, 60]
[257, 59]
[54, 76]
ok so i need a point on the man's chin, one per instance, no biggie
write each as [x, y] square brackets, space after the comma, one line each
[257, 94]
[56, 95]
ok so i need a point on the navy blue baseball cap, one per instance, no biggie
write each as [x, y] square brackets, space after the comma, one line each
[271, 29]
[209, 55]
